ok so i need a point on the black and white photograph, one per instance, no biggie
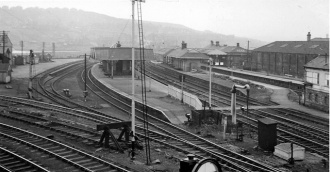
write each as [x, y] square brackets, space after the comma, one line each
[164, 85]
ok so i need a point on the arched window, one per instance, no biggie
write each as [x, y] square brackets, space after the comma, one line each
[316, 98]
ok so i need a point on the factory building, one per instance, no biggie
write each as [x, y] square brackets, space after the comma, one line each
[286, 58]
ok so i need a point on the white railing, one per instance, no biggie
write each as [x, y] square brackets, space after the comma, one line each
[188, 98]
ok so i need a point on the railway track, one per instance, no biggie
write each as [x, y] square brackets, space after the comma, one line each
[220, 153]
[70, 158]
[312, 138]
[11, 161]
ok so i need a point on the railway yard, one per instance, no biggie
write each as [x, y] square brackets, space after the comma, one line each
[57, 131]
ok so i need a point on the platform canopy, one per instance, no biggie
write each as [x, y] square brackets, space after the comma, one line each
[121, 53]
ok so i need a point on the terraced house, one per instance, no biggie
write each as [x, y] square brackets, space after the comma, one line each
[317, 83]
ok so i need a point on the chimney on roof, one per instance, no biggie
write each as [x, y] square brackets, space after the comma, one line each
[327, 35]
[118, 44]
[237, 44]
[309, 36]
[212, 43]
[183, 45]
[217, 43]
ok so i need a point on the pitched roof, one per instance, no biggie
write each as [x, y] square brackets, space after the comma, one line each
[320, 62]
[7, 41]
[227, 49]
[122, 53]
[187, 53]
[300, 47]
[215, 52]
[164, 51]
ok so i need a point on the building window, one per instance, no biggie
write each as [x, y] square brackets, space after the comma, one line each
[326, 100]
[316, 98]
[310, 96]
[284, 45]
[297, 46]
[327, 80]
[312, 77]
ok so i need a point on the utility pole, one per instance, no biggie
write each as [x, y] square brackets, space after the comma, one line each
[248, 54]
[85, 91]
[210, 86]
[22, 48]
[53, 50]
[30, 93]
[3, 44]
[43, 50]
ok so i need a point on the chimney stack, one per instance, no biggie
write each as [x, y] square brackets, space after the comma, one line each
[237, 44]
[118, 45]
[309, 36]
[183, 45]
[327, 35]
[212, 43]
[217, 43]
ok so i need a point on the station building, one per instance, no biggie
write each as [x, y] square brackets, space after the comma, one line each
[117, 61]
[227, 56]
[186, 59]
[316, 80]
[286, 58]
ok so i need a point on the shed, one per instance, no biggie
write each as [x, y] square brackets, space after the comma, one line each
[5, 73]
[20, 60]
[267, 135]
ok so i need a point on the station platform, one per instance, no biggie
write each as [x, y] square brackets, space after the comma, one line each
[279, 95]
[156, 94]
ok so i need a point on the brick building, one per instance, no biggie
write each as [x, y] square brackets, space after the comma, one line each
[316, 92]
[286, 58]
[118, 61]
[186, 59]
[232, 56]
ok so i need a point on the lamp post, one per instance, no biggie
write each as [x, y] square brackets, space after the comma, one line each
[210, 86]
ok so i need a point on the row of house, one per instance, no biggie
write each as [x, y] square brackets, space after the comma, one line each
[303, 60]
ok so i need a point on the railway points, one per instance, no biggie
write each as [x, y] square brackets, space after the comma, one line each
[184, 118]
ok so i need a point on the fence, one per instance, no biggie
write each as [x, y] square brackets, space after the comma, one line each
[188, 98]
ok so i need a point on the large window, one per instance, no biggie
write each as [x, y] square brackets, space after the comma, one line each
[312, 77]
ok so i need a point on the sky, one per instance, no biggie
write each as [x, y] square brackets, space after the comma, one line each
[265, 20]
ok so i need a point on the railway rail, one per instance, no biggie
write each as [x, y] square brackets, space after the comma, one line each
[313, 139]
[71, 157]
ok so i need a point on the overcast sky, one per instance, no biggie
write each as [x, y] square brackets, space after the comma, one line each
[266, 20]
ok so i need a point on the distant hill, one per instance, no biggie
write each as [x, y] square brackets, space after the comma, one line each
[73, 29]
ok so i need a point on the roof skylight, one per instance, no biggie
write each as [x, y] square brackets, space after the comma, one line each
[313, 46]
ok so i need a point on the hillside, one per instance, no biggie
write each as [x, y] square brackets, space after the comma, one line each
[72, 29]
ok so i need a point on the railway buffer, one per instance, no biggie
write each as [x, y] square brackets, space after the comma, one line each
[107, 134]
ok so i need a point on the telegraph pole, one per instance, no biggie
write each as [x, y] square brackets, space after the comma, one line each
[43, 50]
[22, 48]
[210, 86]
[3, 45]
[30, 93]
